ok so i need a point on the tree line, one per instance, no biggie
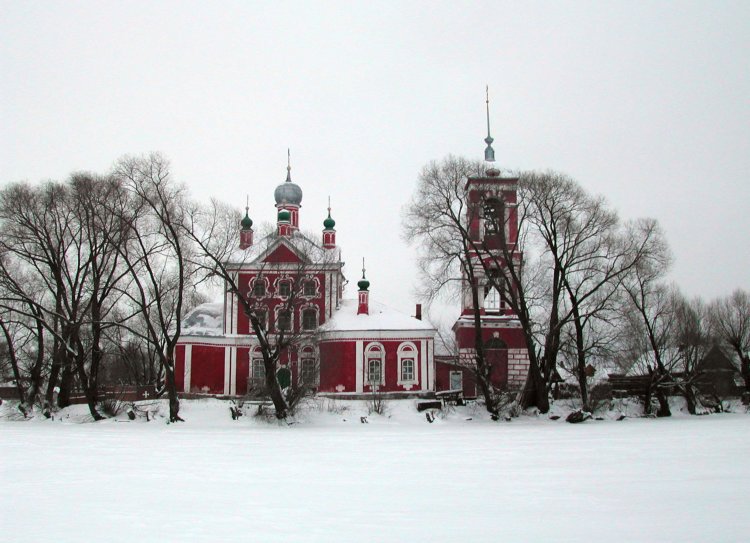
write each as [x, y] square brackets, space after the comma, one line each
[590, 292]
[97, 273]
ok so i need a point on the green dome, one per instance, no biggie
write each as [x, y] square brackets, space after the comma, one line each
[285, 215]
[329, 223]
[246, 223]
[363, 284]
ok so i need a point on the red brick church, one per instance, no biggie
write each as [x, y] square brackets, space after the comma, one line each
[343, 346]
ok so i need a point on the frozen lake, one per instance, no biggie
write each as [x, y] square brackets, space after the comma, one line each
[398, 479]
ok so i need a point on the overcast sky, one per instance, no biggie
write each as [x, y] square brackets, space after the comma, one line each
[647, 103]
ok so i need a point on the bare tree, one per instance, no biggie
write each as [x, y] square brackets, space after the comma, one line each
[730, 323]
[650, 310]
[156, 257]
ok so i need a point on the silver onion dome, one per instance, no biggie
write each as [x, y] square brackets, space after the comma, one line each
[288, 193]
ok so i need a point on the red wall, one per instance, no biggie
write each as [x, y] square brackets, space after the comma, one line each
[270, 302]
[207, 369]
[337, 366]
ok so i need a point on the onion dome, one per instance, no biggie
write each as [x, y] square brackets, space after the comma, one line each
[329, 223]
[246, 222]
[285, 215]
[288, 192]
[363, 283]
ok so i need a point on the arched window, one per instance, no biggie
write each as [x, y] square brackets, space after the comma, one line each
[284, 320]
[257, 369]
[259, 287]
[491, 212]
[261, 313]
[375, 365]
[309, 288]
[407, 365]
[285, 289]
[309, 318]
[492, 301]
[308, 374]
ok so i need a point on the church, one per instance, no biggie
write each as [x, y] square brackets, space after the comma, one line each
[337, 345]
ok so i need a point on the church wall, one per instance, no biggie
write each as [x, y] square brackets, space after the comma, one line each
[337, 366]
[271, 300]
[207, 369]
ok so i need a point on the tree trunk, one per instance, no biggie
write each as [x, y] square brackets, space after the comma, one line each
[483, 370]
[14, 366]
[280, 406]
[171, 386]
[581, 359]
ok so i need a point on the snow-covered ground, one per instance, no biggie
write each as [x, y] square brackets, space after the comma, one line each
[332, 478]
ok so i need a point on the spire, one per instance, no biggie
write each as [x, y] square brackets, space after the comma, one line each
[489, 152]
[288, 166]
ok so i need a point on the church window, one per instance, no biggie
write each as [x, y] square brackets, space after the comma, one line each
[407, 357]
[259, 288]
[309, 319]
[308, 288]
[491, 215]
[374, 358]
[261, 315]
[492, 300]
[284, 321]
[285, 289]
[374, 371]
[258, 372]
[407, 369]
[309, 373]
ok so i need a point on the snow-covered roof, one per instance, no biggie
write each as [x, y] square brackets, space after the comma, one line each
[301, 244]
[381, 317]
[204, 320]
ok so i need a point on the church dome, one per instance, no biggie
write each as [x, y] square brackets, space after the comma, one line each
[329, 223]
[363, 283]
[246, 222]
[288, 193]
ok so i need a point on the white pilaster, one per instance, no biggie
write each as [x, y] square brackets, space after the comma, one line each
[360, 367]
[188, 366]
[227, 367]
[431, 366]
[423, 364]
[233, 372]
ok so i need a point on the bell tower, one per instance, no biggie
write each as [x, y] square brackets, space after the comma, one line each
[492, 220]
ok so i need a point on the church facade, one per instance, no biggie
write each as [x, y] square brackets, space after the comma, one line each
[295, 287]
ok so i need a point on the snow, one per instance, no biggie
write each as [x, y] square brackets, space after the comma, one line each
[397, 478]
[381, 317]
[205, 320]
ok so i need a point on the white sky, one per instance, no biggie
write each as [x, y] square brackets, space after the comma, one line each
[644, 102]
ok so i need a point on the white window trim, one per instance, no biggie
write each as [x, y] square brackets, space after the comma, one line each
[257, 310]
[409, 351]
[381, 357]
[302, 310]
[315, 281]
[277, 310]
[253, 281]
